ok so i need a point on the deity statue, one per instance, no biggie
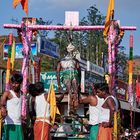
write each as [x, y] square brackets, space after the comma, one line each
[70, 68]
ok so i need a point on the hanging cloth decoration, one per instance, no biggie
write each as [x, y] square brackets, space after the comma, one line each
[26, 40]
[130, 80]
[130, 91]
[13, 54]
[24, 4]
[137, 89]
[7, 87]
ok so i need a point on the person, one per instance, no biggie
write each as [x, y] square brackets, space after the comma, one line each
[71, 77]
[11, 101]
[94, 106]
[3, 114]
[106, 113]
[32, 92]
[64, 128]
[41, 107]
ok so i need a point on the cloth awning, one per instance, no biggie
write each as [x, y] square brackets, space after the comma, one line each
[126, 105]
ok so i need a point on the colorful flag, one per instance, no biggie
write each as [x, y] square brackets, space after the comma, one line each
[16, 2]
[52, 100]
[137, 88]
[110, 13]
[24, 4]
[13, 54]
[7, 87]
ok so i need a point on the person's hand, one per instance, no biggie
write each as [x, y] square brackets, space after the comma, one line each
[3, 112]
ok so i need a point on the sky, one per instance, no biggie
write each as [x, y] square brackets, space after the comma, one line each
[127, 11]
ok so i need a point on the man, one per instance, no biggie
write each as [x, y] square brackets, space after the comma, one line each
[41, 107]
[64, 128]
[94, 106]
[11, 101]
[71, 77]
[106, 113]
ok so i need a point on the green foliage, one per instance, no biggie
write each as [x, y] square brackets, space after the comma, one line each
[89, 43]
[121, 63]
[40, 21]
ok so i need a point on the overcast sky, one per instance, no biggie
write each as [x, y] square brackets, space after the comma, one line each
[127, 11]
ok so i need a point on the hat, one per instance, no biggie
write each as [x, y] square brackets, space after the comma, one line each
[70, 48]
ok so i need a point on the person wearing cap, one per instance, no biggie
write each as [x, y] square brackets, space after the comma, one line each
[71, 75]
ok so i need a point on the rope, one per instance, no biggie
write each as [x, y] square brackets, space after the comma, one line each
[0, 124]
[42, 132]
[131, 117]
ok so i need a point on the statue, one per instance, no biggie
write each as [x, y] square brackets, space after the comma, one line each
[71, 77]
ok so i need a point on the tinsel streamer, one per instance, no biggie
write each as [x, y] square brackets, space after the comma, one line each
[32, 71]
[115, 126]
[109, 57]
[130, 81]
[113, 39]
[37, 69]
[130, 90]
[7, 86]
[13, 53]
[26, 40]
[62, 27]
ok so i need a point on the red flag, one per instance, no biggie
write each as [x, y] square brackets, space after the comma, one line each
[137, 88]
[24, 4]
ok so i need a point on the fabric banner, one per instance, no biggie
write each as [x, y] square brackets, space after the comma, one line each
[137, 89]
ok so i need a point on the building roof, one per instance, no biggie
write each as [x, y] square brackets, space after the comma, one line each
[126, 105]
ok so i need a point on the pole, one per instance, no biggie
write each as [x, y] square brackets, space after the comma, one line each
[59, 27]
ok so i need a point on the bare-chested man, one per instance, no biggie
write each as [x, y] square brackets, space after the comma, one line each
[71, 75]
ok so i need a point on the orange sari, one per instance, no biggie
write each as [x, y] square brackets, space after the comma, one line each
[38, 130]
[105, 133]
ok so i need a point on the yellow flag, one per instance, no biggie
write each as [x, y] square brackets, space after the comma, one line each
[13, 54]
[110, 13]
[52, 100]
[24, 4]
[15, 3]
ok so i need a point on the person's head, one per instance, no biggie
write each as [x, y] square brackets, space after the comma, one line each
[32, 90]
[103, 91]
[55, 126]
[92, 88]
[39, 87]
[16, 80]
[96, 87]
[70, 50]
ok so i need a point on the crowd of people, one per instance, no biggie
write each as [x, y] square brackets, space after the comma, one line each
[128, 134]
[38, 112]
[102, 106]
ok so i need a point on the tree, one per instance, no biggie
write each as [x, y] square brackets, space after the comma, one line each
[40, 21]
[121, 63]
[89, 43]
